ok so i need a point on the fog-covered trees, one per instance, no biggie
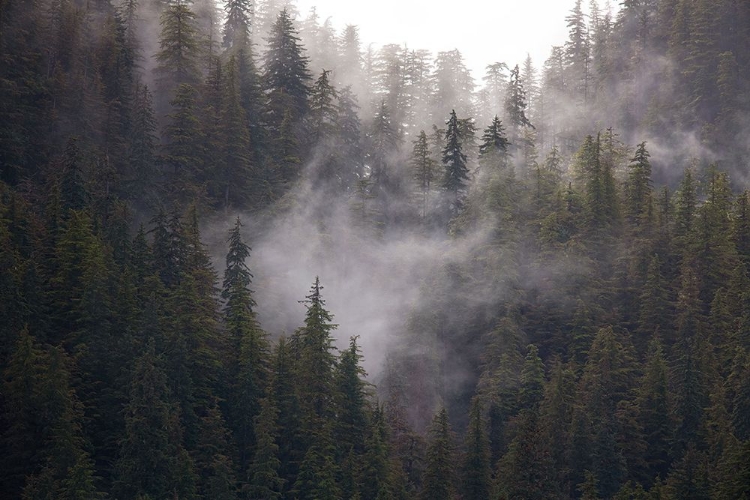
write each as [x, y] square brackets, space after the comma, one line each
[573, 307]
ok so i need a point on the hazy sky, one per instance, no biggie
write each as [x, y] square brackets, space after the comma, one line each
[485, 31]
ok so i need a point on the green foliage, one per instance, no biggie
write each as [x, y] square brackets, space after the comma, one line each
[454, 161]
[129, 371]
[263, 474]
[439, 476]
[475, 484]
[152, 459]
[423, 167]
[179, 46]
[493, 151]
[639, 187]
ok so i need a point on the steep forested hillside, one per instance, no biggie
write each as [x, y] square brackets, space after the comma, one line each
[545, 270]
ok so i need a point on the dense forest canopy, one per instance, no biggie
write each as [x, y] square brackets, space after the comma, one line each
[531, 283]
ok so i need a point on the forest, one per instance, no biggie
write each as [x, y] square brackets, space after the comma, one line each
[247, 255]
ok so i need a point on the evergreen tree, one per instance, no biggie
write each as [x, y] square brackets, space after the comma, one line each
[235, 176]
[532, 380]
[286, 87]
[687, 372]
[73, 193]
[315, 371]
[286, 75]
[577, 52]
[351, 153]
[493, 152]
[423, 170]
[323, 124]
[638, 196]
[653, 414]
[376, 479]
[383, 141]
[213, 462]
[248, 356]
[283, 393]
[46, 451]
[556, 414]
[438, 478]
[351, 406]
[476, 468]
[184, 152]
[454, 161]
[142, 148]
[656, 310]
[263, 475]
[515, 108]
[179, 46]
[152, 459]
[237, 24]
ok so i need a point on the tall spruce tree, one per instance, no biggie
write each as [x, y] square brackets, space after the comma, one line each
[423, 168]
[237, 23]
[286, 76]
[475, 484]
[179, 44]
[454, 161]
[153, 462]
[493, 151]
[638, 191]
[248, 355]
[439, 477]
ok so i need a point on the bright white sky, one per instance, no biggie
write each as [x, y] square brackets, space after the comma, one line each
[485, 31]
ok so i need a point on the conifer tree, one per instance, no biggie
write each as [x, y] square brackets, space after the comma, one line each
[152, 462]
[290, 434]
[606, 381]
[263, 475]
[213, 457]
[350, 135]
[142, 148]
[577, 52]
[286, 75]
[556, 414]
[316, 368]
[73, 192]
[248, 356]
[184, 153]
[352, 421]
[532, 380]
[179, 46]
[376, 479]
[639, 186]
[515, 108]
[493, 151]
[653, 414]
[454, 161]
[235, 177]
[688, 373]
[685, 209]
[499, 380]
[237, 23]
[286, 88]
[655, 311]
[383, 140]
[476, 467]
[438, 476]
[323, 114]
[423, 170]
[323, 132]
[741, 227]
[46, 452]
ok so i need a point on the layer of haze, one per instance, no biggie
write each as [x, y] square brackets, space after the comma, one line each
[484, 31]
